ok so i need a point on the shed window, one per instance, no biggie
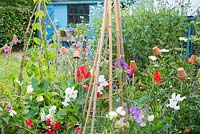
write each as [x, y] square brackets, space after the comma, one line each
[75, 11]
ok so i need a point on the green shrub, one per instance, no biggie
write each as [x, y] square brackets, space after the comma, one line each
[13, 20]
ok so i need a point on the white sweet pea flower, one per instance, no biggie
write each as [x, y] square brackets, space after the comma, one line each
[42, 115]
[164, 50]
[12, 113]
[120, 111]
[70, 93]
[143, 124]
[153, 58]
[150, 118]
[40, 98]
[112, 114]
[174, 100]
[52, 109]
[183, 39]
[29, 89]
[102, 81]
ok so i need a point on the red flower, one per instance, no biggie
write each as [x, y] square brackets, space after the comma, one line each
[48, 122]
[130, 71]
[82, 73]
[157, 77]
[49, 131]
[57, 126]
[87, 75]
[99, 94]
[29, 123]
[77, 129]
[85, 87]
[107, 86]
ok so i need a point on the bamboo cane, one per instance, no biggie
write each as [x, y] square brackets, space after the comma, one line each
[110, 52]
[118, 43]
[90, 84]
[101, 41]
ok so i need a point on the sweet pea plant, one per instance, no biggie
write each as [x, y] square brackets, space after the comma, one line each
[52, 98]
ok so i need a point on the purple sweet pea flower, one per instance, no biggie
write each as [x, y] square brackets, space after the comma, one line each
[8, 107]
[121, 120]
[137, 114]
[6, 49]
[114, 85]
[15, 40]
[122, 63]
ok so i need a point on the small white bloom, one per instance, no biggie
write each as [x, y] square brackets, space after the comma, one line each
[112, 114]
[143, 124]
[164, 50]
[29, 89]
[174, 100]
[17, 81]
[150, 118]
[40, 98]
[42, 116]
[12, 113]
[183, 39]
[120, 111]
[52, 109]
[153, 58]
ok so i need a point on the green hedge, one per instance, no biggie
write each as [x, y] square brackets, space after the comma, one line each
[13, 20]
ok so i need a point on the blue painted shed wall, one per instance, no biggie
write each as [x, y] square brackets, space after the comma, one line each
[60, 15]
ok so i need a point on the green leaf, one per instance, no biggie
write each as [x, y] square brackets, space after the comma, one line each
[6, 119]
[34, 1]
[37, 40]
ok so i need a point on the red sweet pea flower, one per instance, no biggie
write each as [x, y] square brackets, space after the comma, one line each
[99, 94]
[157, 77]
[57, 126]
[77, 129]
[130, 71]
[49, 131]
[85, 87]
[29, 123]
[87, 75]
[48, 122]
[82, 73]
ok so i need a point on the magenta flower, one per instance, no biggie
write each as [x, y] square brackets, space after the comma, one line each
[15, 40]
[6, 49]
[8, 107]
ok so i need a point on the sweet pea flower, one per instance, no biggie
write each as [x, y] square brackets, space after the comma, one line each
[137, 113]
[157, 77]
[174, 100]
[164, 50]
[8, 107]
[12, 113]
[120, 111]
[150, 118]
[112, 115]
[183, 39]
[29, 89]
[15, 40]
[6, 49]
[40, 98]
[123, 64]
[153, 58]
[29, 123]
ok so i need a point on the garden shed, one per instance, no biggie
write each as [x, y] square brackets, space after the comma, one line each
[66, 12]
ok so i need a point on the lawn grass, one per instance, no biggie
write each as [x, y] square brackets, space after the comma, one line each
[13, 68]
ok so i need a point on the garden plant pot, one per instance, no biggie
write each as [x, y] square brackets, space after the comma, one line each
[76, 54]
[133, 65]
[156, 51]
[181, 74]
[192, 59]
[64, 50]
